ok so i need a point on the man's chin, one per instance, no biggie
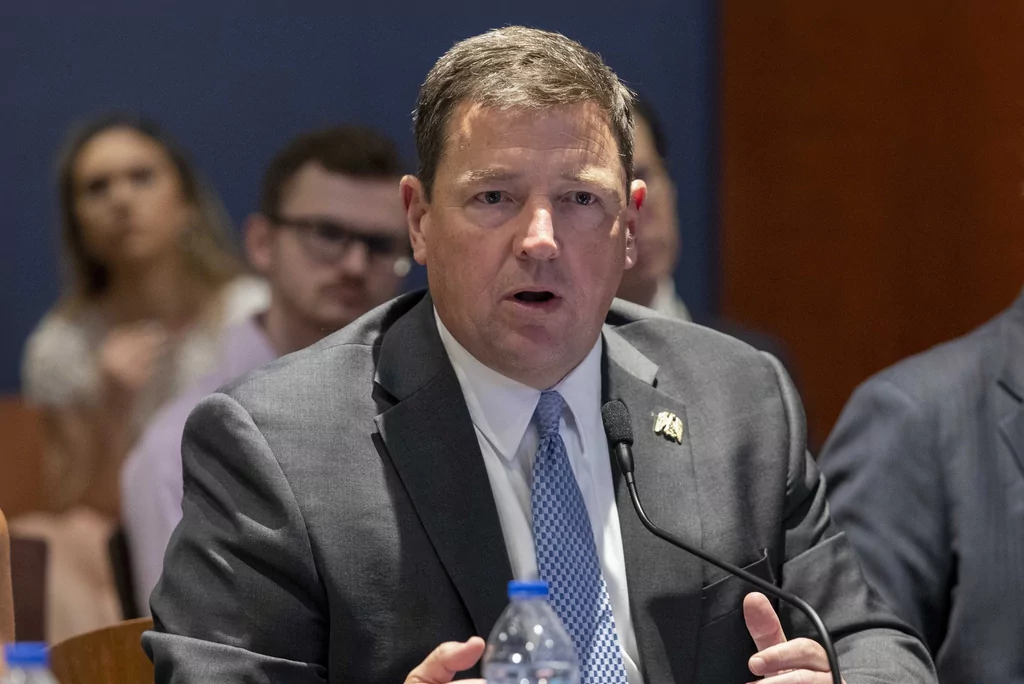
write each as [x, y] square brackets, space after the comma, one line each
[520, 363]
[526, 347]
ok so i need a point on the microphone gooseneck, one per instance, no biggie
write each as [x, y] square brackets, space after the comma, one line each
[619, 431]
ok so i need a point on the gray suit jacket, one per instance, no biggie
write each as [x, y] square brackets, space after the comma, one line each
[926, 472]
[339, 523]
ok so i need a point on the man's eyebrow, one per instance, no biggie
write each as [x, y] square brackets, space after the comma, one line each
[577, 175]
[488, 175]
[590, 175]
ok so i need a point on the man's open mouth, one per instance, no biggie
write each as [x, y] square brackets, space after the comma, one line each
[533, 297]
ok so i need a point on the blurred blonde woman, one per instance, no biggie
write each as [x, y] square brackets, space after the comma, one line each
[153, 281]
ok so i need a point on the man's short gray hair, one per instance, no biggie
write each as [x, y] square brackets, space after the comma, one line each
[517, 67]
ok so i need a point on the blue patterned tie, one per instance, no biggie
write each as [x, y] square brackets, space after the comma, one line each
[567, 556]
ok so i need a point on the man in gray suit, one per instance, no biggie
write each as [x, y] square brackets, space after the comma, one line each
[351, 506]
[926, 472]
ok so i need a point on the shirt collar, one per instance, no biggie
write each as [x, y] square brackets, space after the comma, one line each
[502, 408]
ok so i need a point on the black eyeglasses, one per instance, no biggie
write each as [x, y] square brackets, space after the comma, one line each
[326, 240]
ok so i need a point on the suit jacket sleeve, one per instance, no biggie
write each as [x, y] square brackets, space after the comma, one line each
[887, 494]
[822, 568]
[240, 599]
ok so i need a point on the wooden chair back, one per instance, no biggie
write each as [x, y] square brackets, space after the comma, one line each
[6, 594]
[112, 655]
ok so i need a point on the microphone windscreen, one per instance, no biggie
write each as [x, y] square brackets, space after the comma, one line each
[617, 427]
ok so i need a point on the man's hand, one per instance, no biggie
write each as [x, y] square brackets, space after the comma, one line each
[447, 659]
[800, 661]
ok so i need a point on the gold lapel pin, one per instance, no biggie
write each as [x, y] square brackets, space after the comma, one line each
[669, 426]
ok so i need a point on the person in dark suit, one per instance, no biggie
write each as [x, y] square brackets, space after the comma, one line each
[926, 476]
[351, 506]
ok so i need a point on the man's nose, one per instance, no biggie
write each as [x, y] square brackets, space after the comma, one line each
[355, 260]
[538, 241]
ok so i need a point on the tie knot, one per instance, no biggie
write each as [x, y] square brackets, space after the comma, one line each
[548, 413]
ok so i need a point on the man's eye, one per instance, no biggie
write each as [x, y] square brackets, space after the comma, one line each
[491, 197]
[583, 198]
[376, 244]
[325, 231]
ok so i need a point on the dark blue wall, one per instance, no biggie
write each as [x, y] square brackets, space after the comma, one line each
[235, 82]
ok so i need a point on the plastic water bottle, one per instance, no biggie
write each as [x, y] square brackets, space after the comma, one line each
[28, 662]
[529, 645]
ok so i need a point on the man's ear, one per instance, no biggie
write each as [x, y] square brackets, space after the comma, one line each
[259, 242]
[414, 199]
[637, 195]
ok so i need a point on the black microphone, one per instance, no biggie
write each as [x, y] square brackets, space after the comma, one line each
[619, 431]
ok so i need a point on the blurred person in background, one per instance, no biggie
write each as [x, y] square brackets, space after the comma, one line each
[926, 476]
[332, 241]
[154, 283]
[650, 282]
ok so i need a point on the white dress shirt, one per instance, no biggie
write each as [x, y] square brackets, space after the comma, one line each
[502, 413]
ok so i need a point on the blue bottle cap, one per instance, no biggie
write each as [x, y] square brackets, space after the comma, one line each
[26, 654]
[527, 589]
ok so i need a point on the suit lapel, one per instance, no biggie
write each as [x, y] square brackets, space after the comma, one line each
[430, 438]
[1012, 429]
[663, 582]
[1011, 381]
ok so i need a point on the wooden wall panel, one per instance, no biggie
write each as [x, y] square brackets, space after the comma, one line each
[872, 178]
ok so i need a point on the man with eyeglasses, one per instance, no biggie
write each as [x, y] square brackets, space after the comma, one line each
[331, 240]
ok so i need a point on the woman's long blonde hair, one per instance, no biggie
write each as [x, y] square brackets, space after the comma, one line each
[208, 245]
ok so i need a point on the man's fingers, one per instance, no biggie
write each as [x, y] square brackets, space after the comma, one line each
[798, 677]
[798, 654]
[447, 659]
[762, 622]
